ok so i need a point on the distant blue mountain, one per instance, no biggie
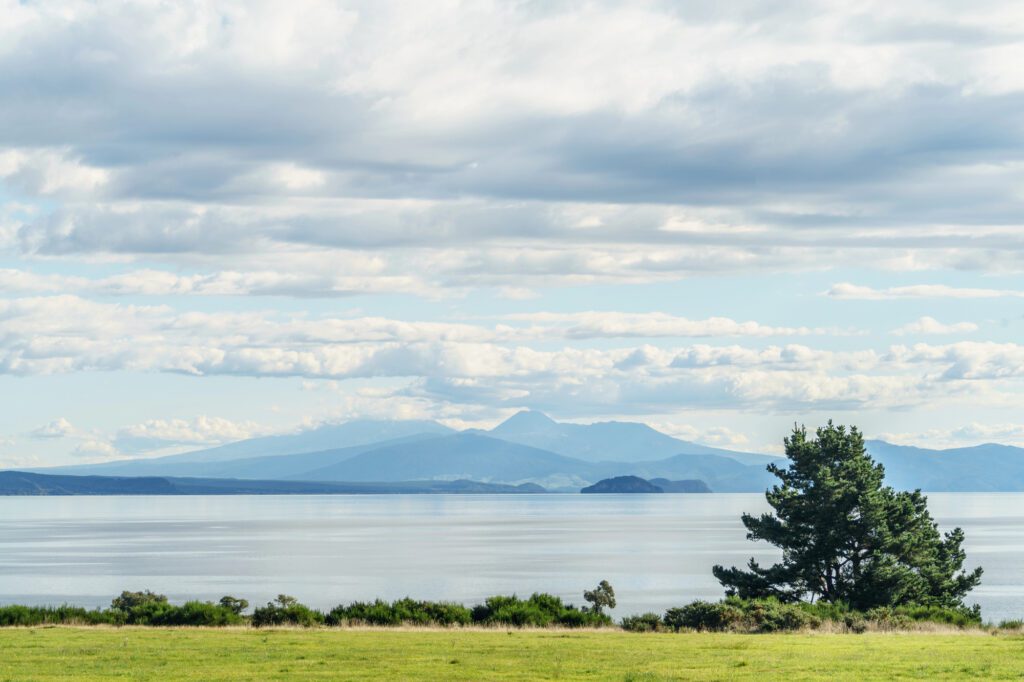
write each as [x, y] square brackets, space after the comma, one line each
[462, 455]
[606, 441]
[988, 467]
[326, 437]
[532, 448]
[239, 460]
[484, 458]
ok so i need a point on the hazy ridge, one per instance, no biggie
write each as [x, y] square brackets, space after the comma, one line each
[532, 448]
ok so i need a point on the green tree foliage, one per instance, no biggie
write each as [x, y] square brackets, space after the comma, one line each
[401, 612]
[233, 604]
[601, 597]
[645, 622]
[540, 610]
[286, 610]
[847, 537]
[133, 600]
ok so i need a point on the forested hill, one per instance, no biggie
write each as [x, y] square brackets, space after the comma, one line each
[25, 483]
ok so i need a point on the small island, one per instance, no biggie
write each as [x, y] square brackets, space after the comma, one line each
[635, 484]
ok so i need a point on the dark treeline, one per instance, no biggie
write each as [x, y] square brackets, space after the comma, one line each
[540, 610]
[151, 609]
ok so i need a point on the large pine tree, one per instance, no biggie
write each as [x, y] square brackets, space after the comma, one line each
[846, 536]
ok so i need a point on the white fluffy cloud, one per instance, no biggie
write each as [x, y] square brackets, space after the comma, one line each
[929, 325]
[58, 428]
[470, 364]
[970, 434]
[594, 324]
[515, 146]
[483, 156]
[49, 171]
[855, 292]
[159, 434]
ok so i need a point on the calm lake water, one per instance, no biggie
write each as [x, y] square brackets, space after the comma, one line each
[657, 550]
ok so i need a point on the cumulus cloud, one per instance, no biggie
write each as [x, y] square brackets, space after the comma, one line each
[966, 360]
[159, 434]
[49, 171]
[973, 433]
[314, 151]
[58, 428]
[512, 145]
[856, 292]
[95, 449]
[929, 325]
[467, 363]
[593, 324]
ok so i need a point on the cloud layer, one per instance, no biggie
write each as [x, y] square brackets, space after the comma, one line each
[186, 188]
[494, 144]
[471, 363]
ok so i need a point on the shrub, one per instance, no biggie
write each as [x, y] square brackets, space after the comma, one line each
[583, 618]
[25, 616]
[1012, 625]
[403, 611]
[897, 617]
[540, 610]
[771, 615]
[131, 608]
[855, 624]
[201, 613]
[825, 610]
[446, 613]
[645, 622]
[130, 600]
[286, 610]
[703, 616]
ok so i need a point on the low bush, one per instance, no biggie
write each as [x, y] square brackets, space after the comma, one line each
[25, 616]
[540, 610]
[704, 616]
[899, 617]
[286, 610]
[148, 608]
[131, 608]
[1012, 625]
[645, 622]
[402, 612]
[771, 615]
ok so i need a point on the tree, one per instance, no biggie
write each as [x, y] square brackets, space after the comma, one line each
[130, 600]
[285, 601]
[601, 596]
[847, 537]
[233, 604]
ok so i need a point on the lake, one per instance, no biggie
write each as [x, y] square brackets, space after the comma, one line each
[656, 550]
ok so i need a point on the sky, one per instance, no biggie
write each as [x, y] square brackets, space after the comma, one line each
[227, 219]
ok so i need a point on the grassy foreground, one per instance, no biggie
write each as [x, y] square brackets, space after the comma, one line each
[245, 654]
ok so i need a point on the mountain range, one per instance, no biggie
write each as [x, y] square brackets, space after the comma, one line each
[532, 448]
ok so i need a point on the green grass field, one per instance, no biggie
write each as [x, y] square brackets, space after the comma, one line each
[244, 654]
